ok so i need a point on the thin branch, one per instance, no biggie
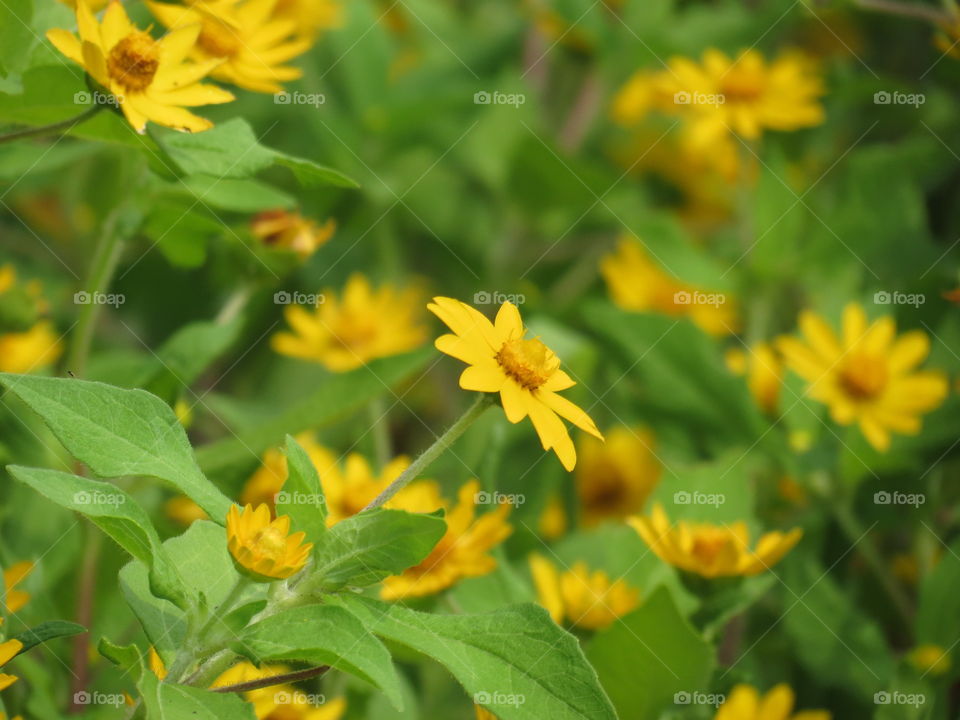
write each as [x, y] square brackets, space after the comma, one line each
[290, 677]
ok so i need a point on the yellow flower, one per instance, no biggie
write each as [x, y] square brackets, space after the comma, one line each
[95, 5]
[269, 478]
[247, 40]
[291, 231]
[745, 703]
[712, 550]
[931, 659]
[868, 375]
[156, 664]
[365, 324]
[484, 714]
[614, 478]
[311, 16]
[763, 369]
[526, 373]
[585, 599]
[8, 650]
[264, 547]
[461, 553]
[31, 343]
[637, 283]
[744, 95]
[15, 599]
[183, 510]
[553, 520]
[148, 77]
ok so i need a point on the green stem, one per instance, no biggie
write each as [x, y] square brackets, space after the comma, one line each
[53, 127]
[104, 263]
[441, 444]
[380, 427]
[917, 11]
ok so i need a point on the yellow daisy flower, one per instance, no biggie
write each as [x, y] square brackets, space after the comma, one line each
[262, 547]
[15, 599]
[744, 95]
[763, 369]
[148, 77]
[867, 375]
[363, 325]
[291, 231]
[247, 40]
[712, 550]
[269, 478]
[8, 650]
[614, 478]
[32, 343]
[932, 659]
[526, 373]
[745, 703]
[461, 553]
[586, 599]
[279, 702]
[636, 283]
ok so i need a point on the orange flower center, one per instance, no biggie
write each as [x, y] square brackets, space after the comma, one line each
[864, 376]
[529, 362]
[741, 86]
[218, 39]
[270, 542]
[708, 546]
[133, 61]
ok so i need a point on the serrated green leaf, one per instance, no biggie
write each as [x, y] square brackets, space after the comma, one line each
[322, 635]
[515, 661]
[119, 432]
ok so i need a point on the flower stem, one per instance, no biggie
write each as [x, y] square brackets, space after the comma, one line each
[441, 444]
[290, 677]
[53, 128]
[380, 427]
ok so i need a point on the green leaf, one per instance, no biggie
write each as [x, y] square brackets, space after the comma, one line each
[242, 196]
[117, 514]
[938, 611]
[665, 656]
[364, 549]
[47, 631]
[340, 395]
[302, 497]
[166, 701]
[310, 175]
[126, 657]
[322, 635]
[515, 661]
[119, 432]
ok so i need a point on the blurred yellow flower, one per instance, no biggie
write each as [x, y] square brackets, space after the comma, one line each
[282, 701]
[553, 520]
[483, 713]
[763, 369]
[268, 479]
[183, 510]
[14, 599]
[636, 283]
[615, 477]
[744, 95]
[461, 553]
[932, 659]
[311, 16]
[365, 324]
[263, 547]
[31, 343]
[95, 5]
[526, 373]
[148, 78]
[586, 599]
[291, 231]
[8, 650]
[867, 375]
[712, 550]
[745, 703]
[246, 40]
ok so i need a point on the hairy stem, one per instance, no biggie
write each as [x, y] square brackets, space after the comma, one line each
[52, 128]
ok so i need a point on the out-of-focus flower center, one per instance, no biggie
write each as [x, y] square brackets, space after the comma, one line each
[605, 487]
[133, 61]
[353, 332]
[218, 39]
[707, 546]
[529, 362]
[270, 542]
[864, 376]
[741, 86]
